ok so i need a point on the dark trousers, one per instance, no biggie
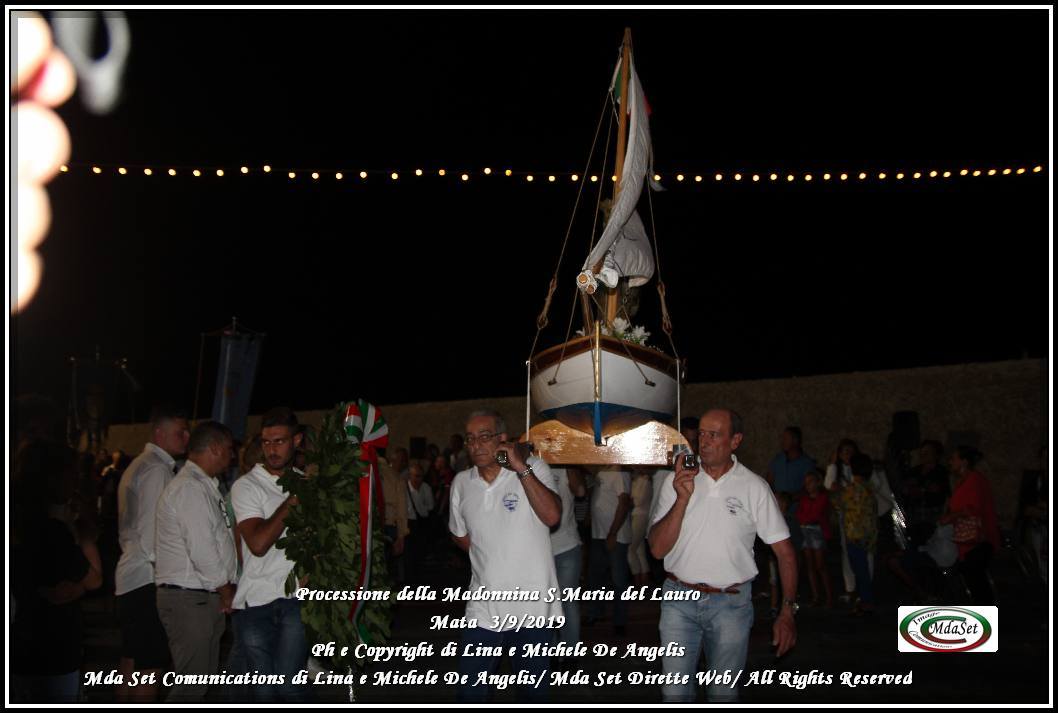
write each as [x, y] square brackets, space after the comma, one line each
[861, 568]
[974, 568]
[600, 562]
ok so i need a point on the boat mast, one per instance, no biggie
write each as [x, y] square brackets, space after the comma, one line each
[622, 141]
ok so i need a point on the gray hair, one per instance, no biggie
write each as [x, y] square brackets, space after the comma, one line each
[499, 424]
[206, 434]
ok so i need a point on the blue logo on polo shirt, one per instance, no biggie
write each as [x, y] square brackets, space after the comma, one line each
[510, 501]
[734, 504]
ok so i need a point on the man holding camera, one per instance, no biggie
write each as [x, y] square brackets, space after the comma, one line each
[502, 515]
[704, 526]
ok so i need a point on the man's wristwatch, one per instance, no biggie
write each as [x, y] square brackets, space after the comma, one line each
[524, 473]
[794, 606]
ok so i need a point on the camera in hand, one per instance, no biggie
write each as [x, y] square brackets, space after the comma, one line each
[690, 462]
[524, 450]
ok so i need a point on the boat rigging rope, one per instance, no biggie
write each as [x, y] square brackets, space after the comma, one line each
[666, 318]
[627, 351]
[541, 320]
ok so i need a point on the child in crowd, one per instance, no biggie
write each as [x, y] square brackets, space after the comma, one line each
[859, 508]
[814, 518]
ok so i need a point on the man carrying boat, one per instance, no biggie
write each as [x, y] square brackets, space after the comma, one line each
[502, 516]
[704, 526]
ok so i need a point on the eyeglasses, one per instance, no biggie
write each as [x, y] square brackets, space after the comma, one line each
[482, 437]
[224, 511]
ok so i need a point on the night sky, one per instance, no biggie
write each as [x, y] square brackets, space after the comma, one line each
[428, 288]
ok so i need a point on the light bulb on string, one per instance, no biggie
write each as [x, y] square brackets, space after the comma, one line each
[245, 170]
[808, 177]
[697, 179]
[122, 171]
[551, 179]
[487, 171]
[196, 173]
[719, 177]
[595, 179]
[529, 178]
[172, 171]
[147, 172]
[418, 172]
[774, 176]
[291, 175]
[946, 174]
[363, 174]
[441, 172]
[756, 178]
[738, 176]
[508, 172]
[315, 176]
[465, 177]
[96, 169]
[64, 168]
[826, 176]
[338, 176]
[574, 178]
[1020, 171]
[844, 176]
[220, 172]
[267, 169]
[679, 177]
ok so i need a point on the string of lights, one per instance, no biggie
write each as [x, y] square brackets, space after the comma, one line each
[530, 177]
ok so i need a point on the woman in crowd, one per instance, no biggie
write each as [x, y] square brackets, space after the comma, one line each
[972, 512]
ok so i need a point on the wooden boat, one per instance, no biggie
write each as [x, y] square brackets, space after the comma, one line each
[603, 383]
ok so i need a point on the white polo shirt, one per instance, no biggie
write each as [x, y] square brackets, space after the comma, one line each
[566, 537]
[723, 517]
[510, 547]
[659, 480]
[609, 484]
[263, 579]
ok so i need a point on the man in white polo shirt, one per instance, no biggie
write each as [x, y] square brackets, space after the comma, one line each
[502, 516]
[267, 621]
[704, 526]
[144, 645]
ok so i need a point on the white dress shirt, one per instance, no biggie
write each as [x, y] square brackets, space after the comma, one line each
[141, 485]
[194, 547]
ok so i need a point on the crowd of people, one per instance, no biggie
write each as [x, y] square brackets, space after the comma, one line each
[184, 537]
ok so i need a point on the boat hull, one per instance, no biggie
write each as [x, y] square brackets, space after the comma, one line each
[637, 385]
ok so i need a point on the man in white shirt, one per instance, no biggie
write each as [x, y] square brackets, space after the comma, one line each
[502, 516]
[611, 533]
[195, 570]
[267, 621]
[144, 646]
[704, 526]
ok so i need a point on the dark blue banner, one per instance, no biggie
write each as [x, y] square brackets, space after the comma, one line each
[235, 376]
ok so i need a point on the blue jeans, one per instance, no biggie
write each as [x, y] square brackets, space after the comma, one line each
[473, 666]
[720, 622]
[861, 569]
[567, 567]
[617, 564]
[273, 642]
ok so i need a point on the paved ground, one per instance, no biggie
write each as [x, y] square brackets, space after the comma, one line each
[829, 642]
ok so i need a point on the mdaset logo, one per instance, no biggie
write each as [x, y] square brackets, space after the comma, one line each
[948, 629]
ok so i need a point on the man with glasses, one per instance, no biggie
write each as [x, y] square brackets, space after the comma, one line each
[267, 621]
[195, 569]
[502, 516]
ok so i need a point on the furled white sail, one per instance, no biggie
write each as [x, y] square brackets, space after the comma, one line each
[624, 247]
